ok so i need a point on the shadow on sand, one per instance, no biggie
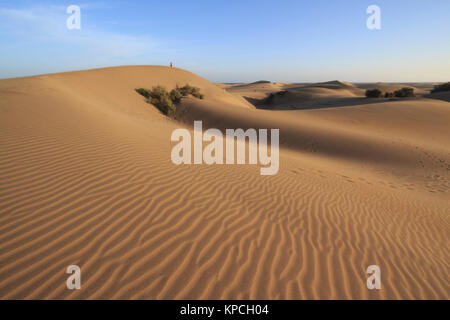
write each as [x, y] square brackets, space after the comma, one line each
[318, 103]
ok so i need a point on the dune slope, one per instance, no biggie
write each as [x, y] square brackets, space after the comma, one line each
[86, 179]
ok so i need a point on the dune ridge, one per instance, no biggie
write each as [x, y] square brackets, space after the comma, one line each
[86, 179]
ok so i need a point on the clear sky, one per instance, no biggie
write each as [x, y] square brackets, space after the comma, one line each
[233, 40]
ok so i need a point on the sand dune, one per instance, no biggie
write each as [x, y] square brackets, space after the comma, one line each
[86, 179]
[296, 96]
[255, 90]
[290, 96]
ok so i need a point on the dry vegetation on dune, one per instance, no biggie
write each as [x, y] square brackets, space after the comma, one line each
[405, 92]
[86, 178]
[166, 101]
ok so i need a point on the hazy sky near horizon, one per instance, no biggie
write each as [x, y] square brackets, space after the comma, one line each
[233, 40]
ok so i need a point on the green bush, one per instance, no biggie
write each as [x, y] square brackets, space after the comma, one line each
[441, 87]
[187, 89]
[164, 105]
[196, 93]
[389, 95]
[143, 92]
[158, 92]
[175, 95]
[184, 90]
[404, 93]
[375, 93]
[160, 98]
[165, 101]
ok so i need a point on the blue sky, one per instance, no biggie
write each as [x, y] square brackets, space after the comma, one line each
[232, 41]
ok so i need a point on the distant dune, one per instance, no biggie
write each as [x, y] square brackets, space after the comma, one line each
[86, 179]
[295, 96]
[390, 87]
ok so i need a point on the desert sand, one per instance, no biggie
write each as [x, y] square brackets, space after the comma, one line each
[86, 179]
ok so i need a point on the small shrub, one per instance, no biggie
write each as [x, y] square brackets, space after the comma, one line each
[165, 101]
[404, 93]
[375, 93]
[160, 98]
[165, 105]
[196, 92]
[175, 95]
[143, 92]
[189, 90]
[158, 92]
[389, 95]
[183, 90]
[441, 87]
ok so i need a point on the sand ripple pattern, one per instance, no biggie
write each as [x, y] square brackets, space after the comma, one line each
[141, 227]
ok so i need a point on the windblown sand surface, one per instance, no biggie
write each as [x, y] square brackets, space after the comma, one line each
[86, 179]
